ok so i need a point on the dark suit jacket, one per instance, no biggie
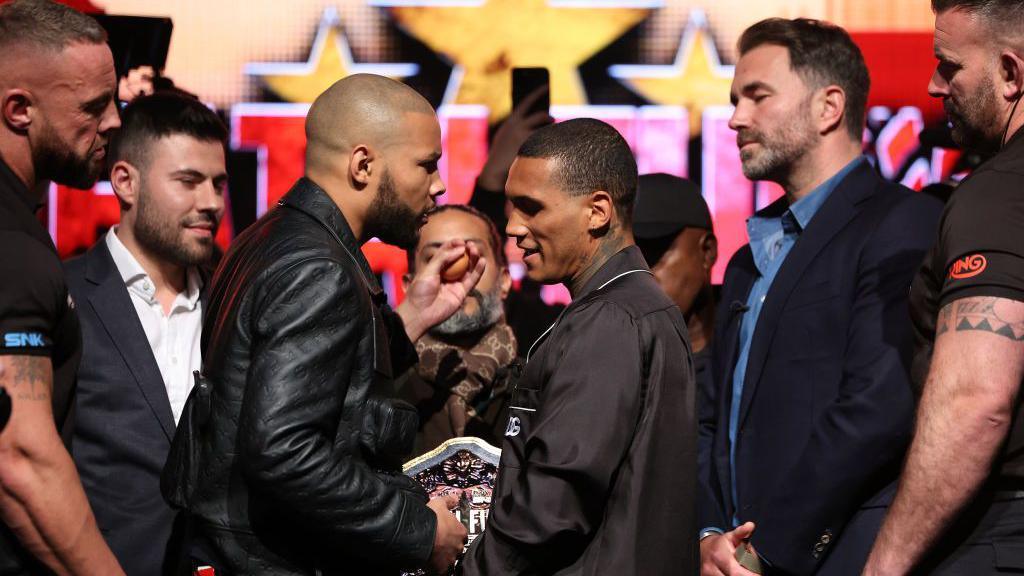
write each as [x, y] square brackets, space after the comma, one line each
[827, 407]
[124, 424]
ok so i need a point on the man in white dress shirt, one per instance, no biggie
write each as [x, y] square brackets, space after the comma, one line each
[139, 294]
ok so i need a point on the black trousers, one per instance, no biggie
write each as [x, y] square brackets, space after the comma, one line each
[988, 539]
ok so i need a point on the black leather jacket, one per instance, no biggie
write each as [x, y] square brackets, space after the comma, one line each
[299, 460]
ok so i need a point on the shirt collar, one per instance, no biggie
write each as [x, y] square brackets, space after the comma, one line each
[307, 196]
[129, 268]
[768, 228]
[805, 208]
[625, 260]
[10, 181]
[136, 278]
[1015, 140]
[768, 220]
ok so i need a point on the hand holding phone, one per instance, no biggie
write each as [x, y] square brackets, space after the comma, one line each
[531, 82]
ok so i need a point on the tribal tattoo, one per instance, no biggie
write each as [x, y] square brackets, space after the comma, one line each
[983, 314]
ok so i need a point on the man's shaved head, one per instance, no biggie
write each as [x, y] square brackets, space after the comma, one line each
[359, 109]
[376, 143]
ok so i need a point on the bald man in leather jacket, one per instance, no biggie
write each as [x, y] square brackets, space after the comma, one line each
[296, 469]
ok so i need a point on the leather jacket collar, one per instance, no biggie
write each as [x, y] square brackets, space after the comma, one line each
[307, 197]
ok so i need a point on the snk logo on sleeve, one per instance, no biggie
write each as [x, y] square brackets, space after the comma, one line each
[24, 340]
[967, 267]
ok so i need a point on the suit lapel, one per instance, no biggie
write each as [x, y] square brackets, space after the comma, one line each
[731, 312]
[115, 311]
[837, 211]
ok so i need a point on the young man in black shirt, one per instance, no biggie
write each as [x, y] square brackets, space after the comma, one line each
[57, 104]
[597, 468]
[960, 505]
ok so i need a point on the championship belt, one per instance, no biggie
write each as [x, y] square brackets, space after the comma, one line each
[464, 466]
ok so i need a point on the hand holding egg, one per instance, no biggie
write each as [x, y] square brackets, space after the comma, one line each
[456, 269]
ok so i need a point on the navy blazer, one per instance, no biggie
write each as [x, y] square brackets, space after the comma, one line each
[827, 407]
[124, 424]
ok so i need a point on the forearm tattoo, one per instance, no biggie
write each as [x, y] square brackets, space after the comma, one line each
[985, 314]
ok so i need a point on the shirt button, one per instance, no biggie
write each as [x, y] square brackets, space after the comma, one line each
[174, 360]
[147, 286]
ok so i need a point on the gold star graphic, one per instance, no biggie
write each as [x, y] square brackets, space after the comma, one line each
[330, 60]
[697, 79]
[486, 39]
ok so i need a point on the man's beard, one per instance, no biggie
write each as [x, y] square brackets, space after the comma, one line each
[975, 122]
[164, 239]
[489, 310]
[391, 220]
[55, 160]
[778, 151]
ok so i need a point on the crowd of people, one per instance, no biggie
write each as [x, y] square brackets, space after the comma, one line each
[845, 403]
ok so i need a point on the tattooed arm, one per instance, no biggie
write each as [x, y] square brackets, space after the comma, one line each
[41, 497]
[965, 415]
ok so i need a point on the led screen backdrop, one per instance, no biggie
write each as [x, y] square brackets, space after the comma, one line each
[659, 71]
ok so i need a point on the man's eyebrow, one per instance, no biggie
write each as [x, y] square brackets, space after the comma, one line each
[98, 102]
[190, 173]
[439, 244]
[755, 86]
[747, 89]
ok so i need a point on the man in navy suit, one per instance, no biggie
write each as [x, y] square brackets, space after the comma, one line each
[139, 298]
[812, 339]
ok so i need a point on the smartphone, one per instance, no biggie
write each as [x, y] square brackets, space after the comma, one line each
[748, 558]
[524, 82]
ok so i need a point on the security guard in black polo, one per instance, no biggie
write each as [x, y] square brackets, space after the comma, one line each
[57, 109]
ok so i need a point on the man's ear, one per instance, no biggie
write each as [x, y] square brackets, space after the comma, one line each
[125, 180]
[504, 282]
[16, 106]
[831, 108]
[1011, 71]
[602, 211]
[709, 250]
[361, 165]
[406, 280]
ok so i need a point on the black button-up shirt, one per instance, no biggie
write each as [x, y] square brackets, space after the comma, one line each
[598, 467]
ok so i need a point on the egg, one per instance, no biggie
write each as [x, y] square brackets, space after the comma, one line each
[457, 269]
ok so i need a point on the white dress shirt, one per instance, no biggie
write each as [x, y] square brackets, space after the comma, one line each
[175, 337]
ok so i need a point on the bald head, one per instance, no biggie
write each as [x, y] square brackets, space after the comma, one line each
[359, 109]
[373, 145]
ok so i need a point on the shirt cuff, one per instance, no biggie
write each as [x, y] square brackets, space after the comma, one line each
[704, 533]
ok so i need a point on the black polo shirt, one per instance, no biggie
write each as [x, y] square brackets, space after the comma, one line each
[37, 316]
[979, 252]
